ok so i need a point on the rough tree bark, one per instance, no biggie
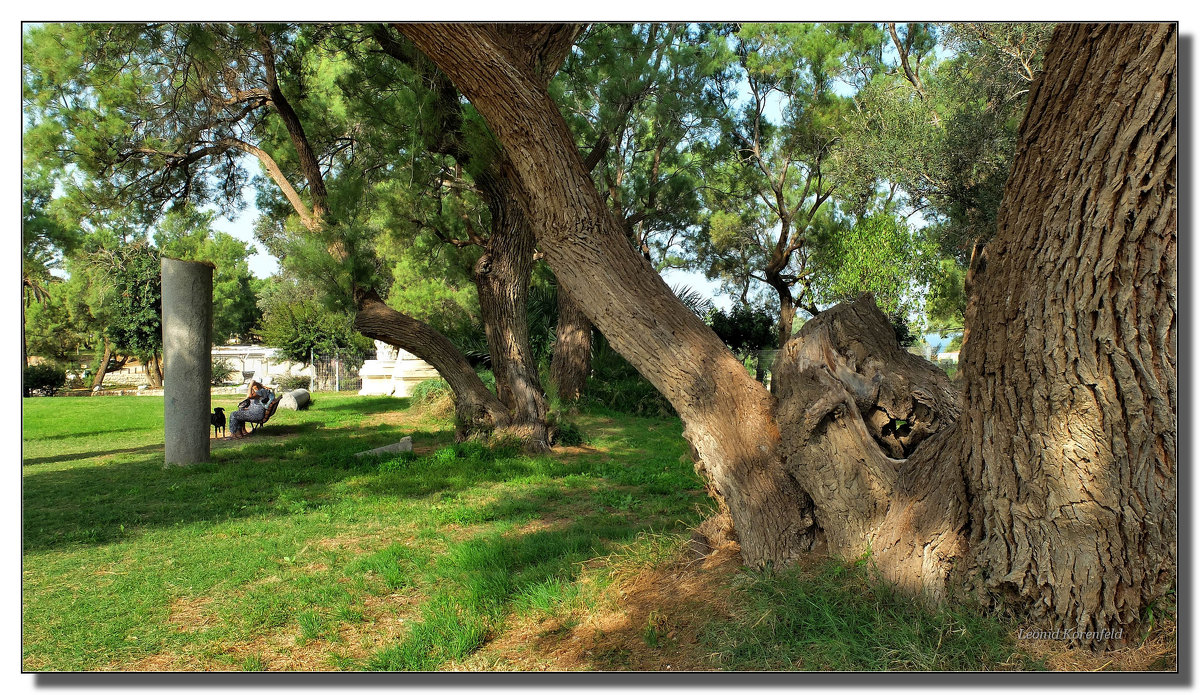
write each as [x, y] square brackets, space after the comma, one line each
[502, 276]
[572, 348]
[623, 296]
[1070, 368]
[1054, 493]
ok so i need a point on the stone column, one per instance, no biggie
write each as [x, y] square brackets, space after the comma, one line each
[187, 356]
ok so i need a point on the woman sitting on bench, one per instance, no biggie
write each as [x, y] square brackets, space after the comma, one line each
[255, 409]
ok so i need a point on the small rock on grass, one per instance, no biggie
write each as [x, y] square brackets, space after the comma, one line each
[400, 446]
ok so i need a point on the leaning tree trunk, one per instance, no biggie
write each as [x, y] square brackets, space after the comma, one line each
[572, 348]
[1054, 493]
[102, 369]
[475, 407]
[1070, 369]
[728, 417]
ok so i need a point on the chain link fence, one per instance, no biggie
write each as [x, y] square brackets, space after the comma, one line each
[336, 372]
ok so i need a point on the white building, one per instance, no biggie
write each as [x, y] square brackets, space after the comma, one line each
[393, 372]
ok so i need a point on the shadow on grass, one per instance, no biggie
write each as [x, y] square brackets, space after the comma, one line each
[93, 504]
[368, 405]
[481, 581]
[91, 455]
[76, 435]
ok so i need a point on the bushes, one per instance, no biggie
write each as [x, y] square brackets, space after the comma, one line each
[291, 382]
[616, 385]
[433, 396]
[43, 380]
[221, 369]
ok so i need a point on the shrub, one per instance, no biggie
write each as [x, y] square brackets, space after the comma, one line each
[616, 385]
[43, 379]
[222, 368]
[631, 394]
[291, 382]
[563, 433]
[434, 396]
[429, 390]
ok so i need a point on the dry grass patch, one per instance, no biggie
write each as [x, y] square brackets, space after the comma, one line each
[643, 619]
[1157, 652]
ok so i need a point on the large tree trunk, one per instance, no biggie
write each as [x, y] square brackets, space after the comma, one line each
[1070, 368]
[475, 407]
[572, 360]
[623, 296]
[1055, 493]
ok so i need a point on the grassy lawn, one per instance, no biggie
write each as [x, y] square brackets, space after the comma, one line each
[288, 552]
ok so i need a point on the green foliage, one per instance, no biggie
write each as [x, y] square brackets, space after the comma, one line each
[42, 380]
[187, 234]
[299, 325]
[615, 385]
[136, 323]
[877, 253]
[946, 303]
[743, 329]
[222, 369]
[564, 432]
[429, 390]
[291, 382]
[949, 147]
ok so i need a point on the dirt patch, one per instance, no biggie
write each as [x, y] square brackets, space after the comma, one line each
[191, 614]
[651, 620]
[385, 620]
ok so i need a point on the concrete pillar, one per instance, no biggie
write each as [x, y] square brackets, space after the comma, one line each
[187, 355]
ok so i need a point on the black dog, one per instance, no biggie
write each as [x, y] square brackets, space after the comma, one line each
[218, 421]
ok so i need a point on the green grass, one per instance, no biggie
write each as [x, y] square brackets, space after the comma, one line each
[288, 552]
[287, 533]
[839, 617]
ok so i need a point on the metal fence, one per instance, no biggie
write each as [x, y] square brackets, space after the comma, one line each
[336, 373]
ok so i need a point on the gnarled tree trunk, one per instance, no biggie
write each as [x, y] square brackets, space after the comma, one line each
[502, 277]
[572, 360]
[1070, 369]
